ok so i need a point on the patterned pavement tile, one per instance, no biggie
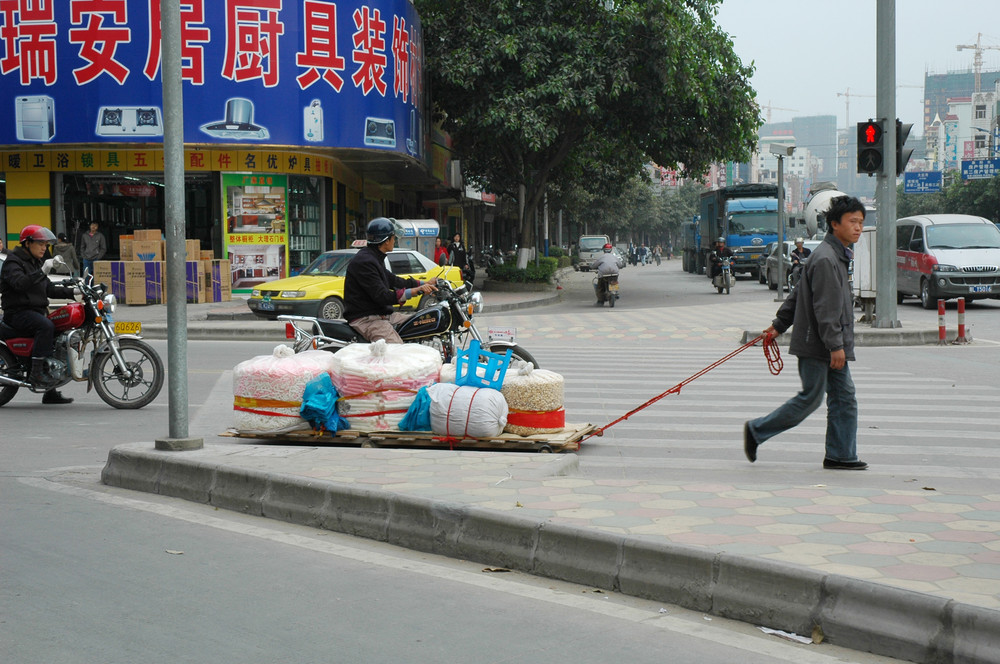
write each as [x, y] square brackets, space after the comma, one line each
[977, 526]
[899, 538]
[854, 571]
[980, 572]
[934, 559]
[832, 538]
[918, 572]
[848, 527]
[882, 548]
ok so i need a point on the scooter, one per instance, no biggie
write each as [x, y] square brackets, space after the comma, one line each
[724, 280]
[606, 291]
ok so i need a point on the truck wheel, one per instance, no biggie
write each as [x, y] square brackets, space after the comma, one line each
[927, 299]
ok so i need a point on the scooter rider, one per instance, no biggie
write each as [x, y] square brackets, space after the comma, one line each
[606, 265]
[715, 258]
[371, 290]
[25, 290]
[799, 253]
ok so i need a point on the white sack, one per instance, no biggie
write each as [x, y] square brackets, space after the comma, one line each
[466, 412]
[267, 389]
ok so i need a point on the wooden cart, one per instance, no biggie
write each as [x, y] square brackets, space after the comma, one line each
[567, 440]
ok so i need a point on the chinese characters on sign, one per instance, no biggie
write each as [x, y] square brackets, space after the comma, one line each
[980, 169]
[922, 182]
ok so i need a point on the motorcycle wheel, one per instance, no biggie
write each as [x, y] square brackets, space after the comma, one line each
[7, 364]
[133, 393]
[612, 299]
[517, 353]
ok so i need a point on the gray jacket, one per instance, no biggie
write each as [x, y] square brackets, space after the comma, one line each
[92, 247]
[606, 265]
[821, 308]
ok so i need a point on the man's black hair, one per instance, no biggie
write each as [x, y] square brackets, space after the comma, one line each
[840, 206]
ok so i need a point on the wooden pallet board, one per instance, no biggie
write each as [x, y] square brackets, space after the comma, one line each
[567, 440]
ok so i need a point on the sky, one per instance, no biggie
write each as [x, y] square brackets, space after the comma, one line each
[807, 51]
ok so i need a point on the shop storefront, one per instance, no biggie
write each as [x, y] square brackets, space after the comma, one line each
[280, 127]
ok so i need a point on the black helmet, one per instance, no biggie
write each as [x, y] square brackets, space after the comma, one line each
[381, 229]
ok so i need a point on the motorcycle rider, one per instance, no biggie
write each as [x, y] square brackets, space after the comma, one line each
[371, 290]
[799, 253]
[25, 290]
[715, 258]
[606, 265]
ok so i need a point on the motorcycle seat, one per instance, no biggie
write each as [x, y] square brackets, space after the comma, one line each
[338, 329]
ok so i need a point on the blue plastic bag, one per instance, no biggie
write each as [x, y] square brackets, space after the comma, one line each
[418, 415]
[319, 405]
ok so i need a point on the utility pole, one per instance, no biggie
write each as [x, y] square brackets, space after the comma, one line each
[885, 191]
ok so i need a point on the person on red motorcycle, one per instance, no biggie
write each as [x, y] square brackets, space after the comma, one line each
[25, 290]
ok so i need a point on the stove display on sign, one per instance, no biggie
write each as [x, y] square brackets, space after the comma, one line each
[129, 121]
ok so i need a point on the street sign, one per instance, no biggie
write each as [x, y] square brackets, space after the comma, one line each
[922, 182]
[980, 169]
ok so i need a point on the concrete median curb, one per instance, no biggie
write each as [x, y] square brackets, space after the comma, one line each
[867, 337]
[853, 613]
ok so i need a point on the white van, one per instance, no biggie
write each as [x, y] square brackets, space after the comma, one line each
[944, 256]
[591, 247]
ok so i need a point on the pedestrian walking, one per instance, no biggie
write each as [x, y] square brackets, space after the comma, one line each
[820, 312]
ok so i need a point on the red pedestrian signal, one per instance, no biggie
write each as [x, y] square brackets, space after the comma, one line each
[870, 156]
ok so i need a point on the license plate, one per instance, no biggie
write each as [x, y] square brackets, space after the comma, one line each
[502, 334]
[980, 289]
[266, 305]
[127, 327]
[754, 256]
[612, 287]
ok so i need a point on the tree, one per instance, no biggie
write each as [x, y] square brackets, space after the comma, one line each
[584, 91]
[979, 198]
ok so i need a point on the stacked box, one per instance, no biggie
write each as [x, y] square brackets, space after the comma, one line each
[116, 279]
[192, 250]
[206, 255]
[156, 282]
[125, 247]
[218, 281]
[102, 272]
[145, 250]
[135, 281]
[153, 234]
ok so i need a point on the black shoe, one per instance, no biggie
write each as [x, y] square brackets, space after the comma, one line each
[55, 397]
[830, 464]
[749, 443]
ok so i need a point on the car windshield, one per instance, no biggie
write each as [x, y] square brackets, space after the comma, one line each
[592, 243]
[963, 236]
[329, 265]
[747, 223]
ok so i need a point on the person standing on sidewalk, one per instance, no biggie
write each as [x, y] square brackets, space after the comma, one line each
[93, 246]
[820, 312]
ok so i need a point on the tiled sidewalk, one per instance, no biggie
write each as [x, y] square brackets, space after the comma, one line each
[946, 545]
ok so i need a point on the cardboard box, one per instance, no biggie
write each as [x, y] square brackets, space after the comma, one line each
[192, 250]
[125, 247]
[150, 234]
[116, 278]
[145, 250]
[206, 255]
[102, 272]
[135, 282]
[218, 281]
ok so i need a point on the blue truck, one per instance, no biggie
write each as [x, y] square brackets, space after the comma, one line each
[746, 215]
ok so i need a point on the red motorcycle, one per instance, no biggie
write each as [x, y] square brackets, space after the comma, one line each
[89, 347]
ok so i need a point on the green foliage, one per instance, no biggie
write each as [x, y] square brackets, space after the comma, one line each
[541, 273]
[565, 261]
[584, 92]
[556, 252]
[976, 197]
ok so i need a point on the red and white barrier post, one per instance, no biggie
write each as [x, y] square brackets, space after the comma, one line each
[962, 337]
[941, 331]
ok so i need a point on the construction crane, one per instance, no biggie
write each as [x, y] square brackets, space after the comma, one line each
[977, 61]
[847, 94]
[776, 108]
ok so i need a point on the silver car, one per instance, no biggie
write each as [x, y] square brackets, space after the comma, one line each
[771, 268]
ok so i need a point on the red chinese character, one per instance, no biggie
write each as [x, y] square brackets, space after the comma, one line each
[192, 56]
[198, 160]
[369, 50]
[28, 40]
[224, 161]
[252, 31]
[401, 58]
[320, 46]
[97, 42]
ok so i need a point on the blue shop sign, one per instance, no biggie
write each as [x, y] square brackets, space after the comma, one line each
[922, 182]
[304, 72]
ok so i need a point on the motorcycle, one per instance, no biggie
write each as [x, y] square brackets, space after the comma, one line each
[607, 291]
[445, 325]
[89, 347]
[795, 274]
[724, 280]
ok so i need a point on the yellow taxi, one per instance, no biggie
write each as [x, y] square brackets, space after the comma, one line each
[319, 289]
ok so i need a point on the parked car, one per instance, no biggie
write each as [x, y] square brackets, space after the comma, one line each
[944, 256]
[319, 289]
[771, 265]
[762, 262]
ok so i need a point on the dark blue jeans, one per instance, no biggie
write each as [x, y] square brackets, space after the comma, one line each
[32, 323]
[841, 409]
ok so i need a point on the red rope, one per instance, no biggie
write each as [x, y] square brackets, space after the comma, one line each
[774, 365]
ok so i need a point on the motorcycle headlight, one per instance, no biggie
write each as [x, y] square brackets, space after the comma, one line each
[109, 303]
[293, 293]
[477, 302]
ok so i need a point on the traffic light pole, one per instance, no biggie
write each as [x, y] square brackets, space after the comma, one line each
[885, 191]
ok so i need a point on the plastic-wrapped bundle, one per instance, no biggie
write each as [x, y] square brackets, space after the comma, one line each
[377, 382]
[267, 389]
[535, 399]
[466, 412]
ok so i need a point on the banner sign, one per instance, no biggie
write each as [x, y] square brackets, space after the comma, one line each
[922, 182]
[980, 169]
[286, 72]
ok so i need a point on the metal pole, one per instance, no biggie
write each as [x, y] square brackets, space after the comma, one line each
[885, 192]
[173, 190]
[781, 229]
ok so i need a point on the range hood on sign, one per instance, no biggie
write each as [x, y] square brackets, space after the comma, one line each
[238, 123]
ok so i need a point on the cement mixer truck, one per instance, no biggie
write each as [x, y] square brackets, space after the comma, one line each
[814, 217]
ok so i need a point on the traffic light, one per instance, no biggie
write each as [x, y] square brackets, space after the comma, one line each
[902, 154]
[870, 156]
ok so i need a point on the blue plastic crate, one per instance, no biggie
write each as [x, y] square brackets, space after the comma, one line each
[480, 368]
